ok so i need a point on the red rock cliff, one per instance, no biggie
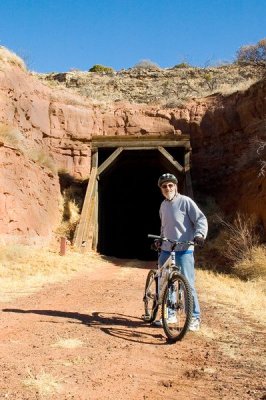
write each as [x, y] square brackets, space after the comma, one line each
[60, 124]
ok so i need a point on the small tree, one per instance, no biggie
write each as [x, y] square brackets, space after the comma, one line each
[252, 53]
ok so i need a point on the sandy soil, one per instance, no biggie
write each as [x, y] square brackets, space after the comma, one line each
[84, 339]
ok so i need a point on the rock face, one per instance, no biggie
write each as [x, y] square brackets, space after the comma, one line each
[29, 199]
[54, 128]
[227, 151]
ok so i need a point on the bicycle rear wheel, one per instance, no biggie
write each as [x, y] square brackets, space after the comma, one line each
[150, 297]
[177, 306]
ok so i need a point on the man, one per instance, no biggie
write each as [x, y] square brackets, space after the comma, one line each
[182, 220]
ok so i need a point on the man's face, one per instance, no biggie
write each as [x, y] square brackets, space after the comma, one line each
[169, 189]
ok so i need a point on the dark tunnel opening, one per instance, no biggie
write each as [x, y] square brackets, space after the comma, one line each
[129, 201]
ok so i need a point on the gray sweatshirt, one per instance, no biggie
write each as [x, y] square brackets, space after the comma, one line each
[181, 219]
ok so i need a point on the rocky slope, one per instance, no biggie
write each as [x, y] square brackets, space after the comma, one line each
[48, 129]
[164, 87]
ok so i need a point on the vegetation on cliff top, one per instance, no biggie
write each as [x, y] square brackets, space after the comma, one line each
[7, 56]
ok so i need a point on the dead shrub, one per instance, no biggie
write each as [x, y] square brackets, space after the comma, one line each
[255, 53]
[241, 247]
[254, 266]
[146, 64]
[41, 157]
[73, 199]
[11, 136]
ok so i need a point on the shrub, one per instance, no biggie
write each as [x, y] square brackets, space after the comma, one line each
[101, 69]
[146, 64]
[11, 136]
[72, 199]
[42, 158]
[182, 65]
[210, 80]
[252, 53]
[8, 56]
[254, 266]
[242, 248]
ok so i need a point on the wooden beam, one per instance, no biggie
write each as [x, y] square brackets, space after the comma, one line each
[82, 230]
[143, 138]
[109, 160]
[171, 159]
[188, 182]
[187, 160]
[96, 224]
[140, 142]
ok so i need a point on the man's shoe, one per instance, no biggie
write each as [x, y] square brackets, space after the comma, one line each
[146, 317]
[158, 322]
[172, 319]
[194, 324]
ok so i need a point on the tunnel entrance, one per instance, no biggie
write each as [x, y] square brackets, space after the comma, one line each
[129, 202]
[122, 201]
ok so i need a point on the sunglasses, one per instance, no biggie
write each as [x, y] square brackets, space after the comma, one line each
[165, 185]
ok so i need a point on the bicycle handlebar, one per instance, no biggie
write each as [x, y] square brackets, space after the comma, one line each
[164, 239]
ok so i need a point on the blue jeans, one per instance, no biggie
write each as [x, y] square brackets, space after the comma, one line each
[186, 263]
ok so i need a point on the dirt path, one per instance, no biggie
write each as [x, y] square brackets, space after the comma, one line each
[84, 339]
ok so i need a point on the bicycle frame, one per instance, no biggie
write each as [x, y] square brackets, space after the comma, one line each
[166, 270]
[164, 273]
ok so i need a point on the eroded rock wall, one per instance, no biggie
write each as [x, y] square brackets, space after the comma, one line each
[226, 156]
[29, 199]
[59, 124]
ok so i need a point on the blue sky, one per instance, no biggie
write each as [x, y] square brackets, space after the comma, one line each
[57, 35]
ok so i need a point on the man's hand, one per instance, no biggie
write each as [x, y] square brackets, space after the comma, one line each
[156, 245]
[199, 240]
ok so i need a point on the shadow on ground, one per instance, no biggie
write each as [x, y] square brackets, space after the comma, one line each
[107, 322]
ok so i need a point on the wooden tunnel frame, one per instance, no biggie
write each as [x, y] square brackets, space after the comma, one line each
[86, 234]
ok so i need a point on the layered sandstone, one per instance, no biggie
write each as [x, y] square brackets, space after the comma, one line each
[29, 199]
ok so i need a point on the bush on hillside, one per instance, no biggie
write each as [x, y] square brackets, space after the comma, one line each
[252, 53]
[101, 69]
[146, 64]
[182, 65]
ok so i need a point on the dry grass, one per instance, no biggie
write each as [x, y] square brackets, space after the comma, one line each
[24, 270]
[7, 56]
[42, 158]
[254, 266]
[227, 89]
[11, 136]
[44, 383]
[239, 243]
[247, 298]
[73, 199]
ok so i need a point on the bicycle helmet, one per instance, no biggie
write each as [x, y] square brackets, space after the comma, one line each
[167, 178]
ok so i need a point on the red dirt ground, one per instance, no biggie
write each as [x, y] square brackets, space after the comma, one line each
[120, 357]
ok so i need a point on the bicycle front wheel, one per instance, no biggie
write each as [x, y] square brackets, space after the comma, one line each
[150, 297]
[177, 306]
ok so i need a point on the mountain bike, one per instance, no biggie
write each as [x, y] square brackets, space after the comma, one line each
[168, 288]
